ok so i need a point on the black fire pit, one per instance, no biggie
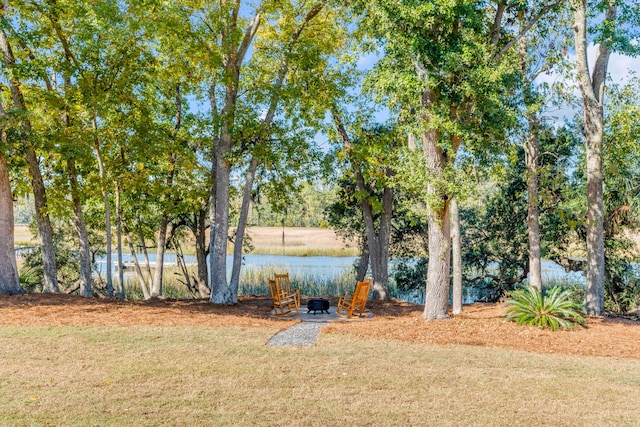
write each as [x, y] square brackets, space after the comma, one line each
[318, 304]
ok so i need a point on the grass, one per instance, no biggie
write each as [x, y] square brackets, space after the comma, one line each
[299, 251]
[77, 376]
[23, 237]
[299, 241]
[253, 281]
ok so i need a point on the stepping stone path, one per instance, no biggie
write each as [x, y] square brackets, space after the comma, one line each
[305, 333]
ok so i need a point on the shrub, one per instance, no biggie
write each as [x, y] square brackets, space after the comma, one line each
[409, 274]
[557, 309]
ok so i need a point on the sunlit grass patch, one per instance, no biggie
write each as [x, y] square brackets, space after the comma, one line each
[183, 376]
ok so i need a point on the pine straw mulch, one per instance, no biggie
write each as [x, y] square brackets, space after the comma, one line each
[479, 325]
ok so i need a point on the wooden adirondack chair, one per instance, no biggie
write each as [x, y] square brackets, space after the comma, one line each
[353, 306]
[285, 286]
[284, 304]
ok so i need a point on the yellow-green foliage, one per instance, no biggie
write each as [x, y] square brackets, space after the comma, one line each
[557, 309]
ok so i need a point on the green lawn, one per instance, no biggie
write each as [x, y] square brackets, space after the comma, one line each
[199, 375]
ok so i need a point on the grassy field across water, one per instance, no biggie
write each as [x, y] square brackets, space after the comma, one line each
[297, 241]
[227, 376]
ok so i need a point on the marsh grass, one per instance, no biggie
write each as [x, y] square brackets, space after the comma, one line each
[23, 237]
[304, 251]
[185, 376]
[253, 281]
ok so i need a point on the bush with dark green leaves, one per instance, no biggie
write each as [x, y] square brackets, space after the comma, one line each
[553, 309]
[409, 274]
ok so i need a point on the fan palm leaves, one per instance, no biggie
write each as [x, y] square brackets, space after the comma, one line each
[555, 309]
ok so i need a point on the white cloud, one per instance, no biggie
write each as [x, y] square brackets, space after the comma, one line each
[621, 67]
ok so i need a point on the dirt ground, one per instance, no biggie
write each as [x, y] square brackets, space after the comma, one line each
[479, 325]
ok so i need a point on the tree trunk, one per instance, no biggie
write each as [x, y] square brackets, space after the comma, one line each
[363, 262]
[201, 253]
[86, 288]
[379, 245]
[242, 223]
[533, 217]
[141, 279]
[437, 286]
[221, 292]
[9, 279]
[253, 165]
[45, 232]
[143, 242]
[107, 212]
[456, 252]
[378, 241]
[119, 242]
[592, 89]
[531, 148]
[594, 298]
[156, 289]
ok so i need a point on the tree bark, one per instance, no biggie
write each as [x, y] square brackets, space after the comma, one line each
[456, 252]
[201, 252]
[221, 291]
[156, 288]
[45, 231]
[141, 279]
[379, 245]
[119, 242]
[9, 279]
[86, 288]
[377, 240]
[242, 224]
[143, 242]
[531, 148]
[363, 262]
[437, 286]
[592, 89]
[253, 164]
[107, 210]
[533, 216]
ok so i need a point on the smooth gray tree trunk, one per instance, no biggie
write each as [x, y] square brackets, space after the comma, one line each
[533, 215]
[84, 250]
[531, 148]
[145, 253]
[456, 252]
[221, 291]
[592, 89]
[9, 278]
[45, 231]
[119, 243]
[242, 224]
[201, 252]
[139, 274]
[363, 262]
[377, 240]
[253, 164]
[156, 288]
[107, 212]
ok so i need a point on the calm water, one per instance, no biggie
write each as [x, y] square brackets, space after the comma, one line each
[325, 267]
[328, 267]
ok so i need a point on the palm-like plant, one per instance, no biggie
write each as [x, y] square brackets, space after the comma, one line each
[557, 309]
